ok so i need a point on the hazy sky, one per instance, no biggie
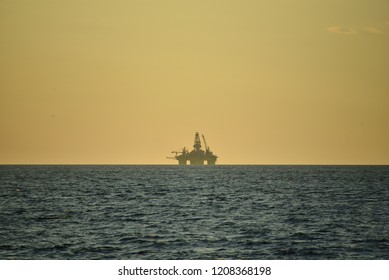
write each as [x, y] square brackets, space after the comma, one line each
[128, 81]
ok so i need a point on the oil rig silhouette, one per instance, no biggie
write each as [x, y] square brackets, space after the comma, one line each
[197, 156]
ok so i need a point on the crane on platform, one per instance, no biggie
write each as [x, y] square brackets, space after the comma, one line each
[205, 144]
[184, 151]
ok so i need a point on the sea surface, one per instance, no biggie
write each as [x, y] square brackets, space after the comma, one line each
[194, 212]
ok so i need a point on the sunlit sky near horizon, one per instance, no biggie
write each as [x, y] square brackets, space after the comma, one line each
[127, 82]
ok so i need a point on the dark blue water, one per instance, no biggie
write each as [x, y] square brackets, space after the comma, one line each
[186, 212]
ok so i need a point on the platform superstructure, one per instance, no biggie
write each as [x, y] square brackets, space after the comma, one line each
[197, 156]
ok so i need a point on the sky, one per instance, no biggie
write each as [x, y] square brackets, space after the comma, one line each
[129, 81]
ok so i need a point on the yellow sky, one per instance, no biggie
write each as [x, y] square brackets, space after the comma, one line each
[127, 82]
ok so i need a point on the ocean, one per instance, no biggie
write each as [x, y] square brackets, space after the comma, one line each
[194, 212]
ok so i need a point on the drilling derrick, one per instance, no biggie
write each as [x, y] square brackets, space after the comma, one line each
[197, 143]
[197, 156]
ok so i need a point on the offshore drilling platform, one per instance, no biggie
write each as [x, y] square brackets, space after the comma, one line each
[197, 156]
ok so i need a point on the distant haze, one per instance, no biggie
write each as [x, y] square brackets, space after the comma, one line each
[129, 81]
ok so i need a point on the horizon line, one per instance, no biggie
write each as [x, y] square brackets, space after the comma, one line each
[205, 165]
